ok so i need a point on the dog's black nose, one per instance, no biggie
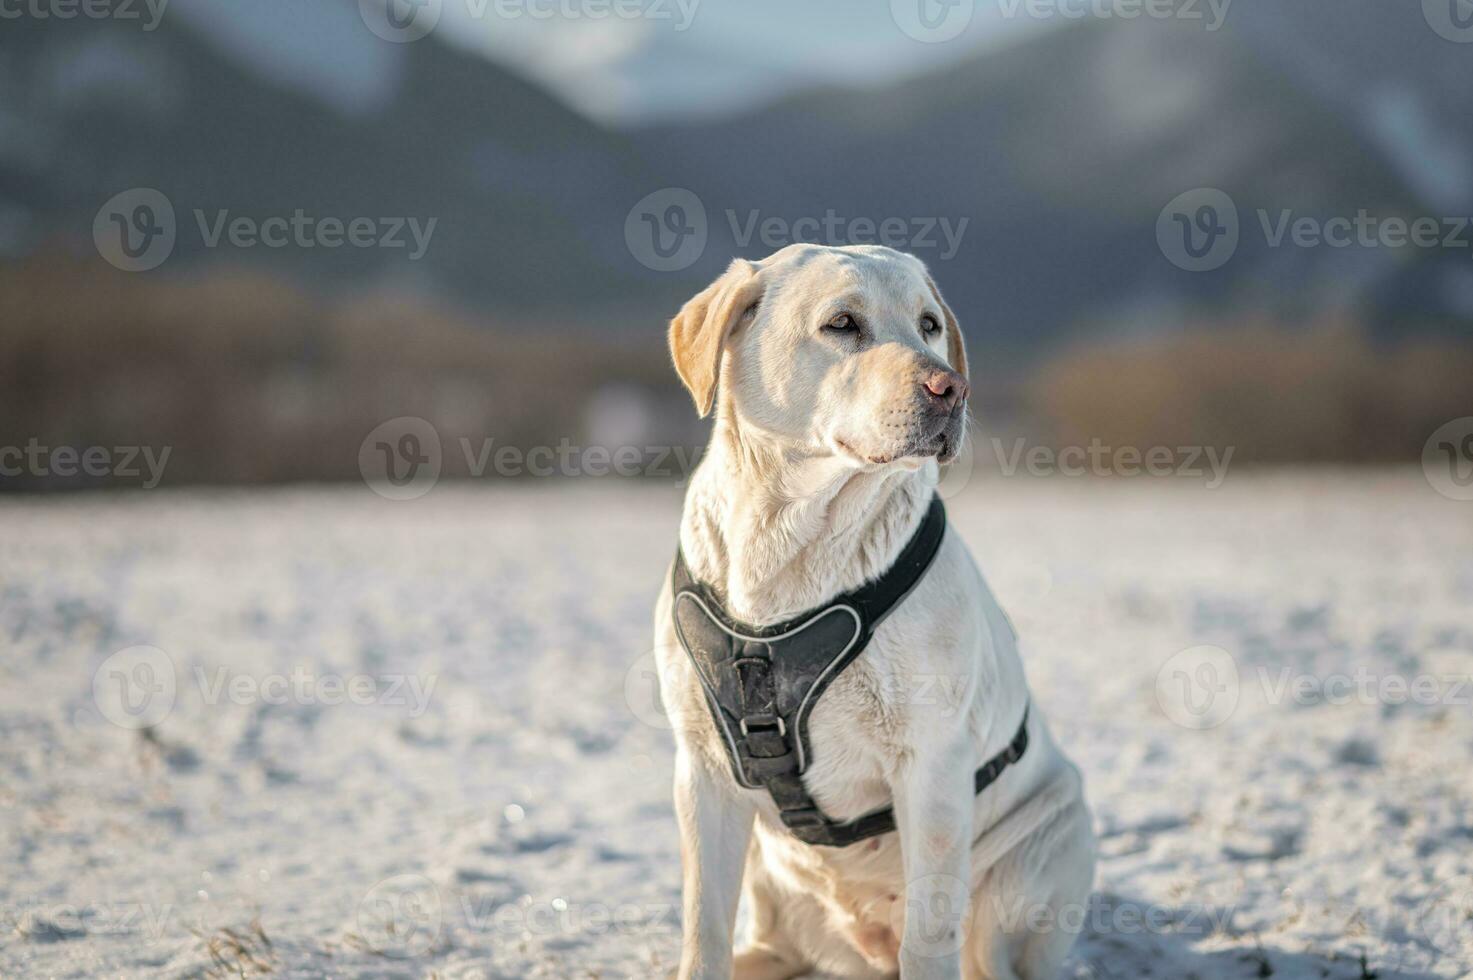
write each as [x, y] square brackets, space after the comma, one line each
[945, 388]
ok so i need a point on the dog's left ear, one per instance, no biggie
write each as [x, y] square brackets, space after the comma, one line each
[699, 331]
[956, 345]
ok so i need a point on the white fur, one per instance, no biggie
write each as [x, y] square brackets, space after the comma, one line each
[809, 488]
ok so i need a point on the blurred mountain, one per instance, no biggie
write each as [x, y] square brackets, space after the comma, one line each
[89, 108]
[1063, 150]
[1058, 152]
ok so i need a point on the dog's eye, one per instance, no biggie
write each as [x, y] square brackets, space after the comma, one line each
[843, 323]
[929, 326]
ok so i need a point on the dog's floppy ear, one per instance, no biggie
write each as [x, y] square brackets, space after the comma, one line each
[956, 345]
[700, 329]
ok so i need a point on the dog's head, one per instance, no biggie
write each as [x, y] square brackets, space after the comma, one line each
[846, 351]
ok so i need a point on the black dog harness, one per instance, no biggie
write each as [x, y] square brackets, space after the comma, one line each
[762, 682]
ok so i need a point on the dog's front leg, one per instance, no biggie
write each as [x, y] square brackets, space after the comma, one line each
[933, 812]
[715, 827]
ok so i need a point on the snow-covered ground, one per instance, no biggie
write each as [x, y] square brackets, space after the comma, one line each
[422, 738]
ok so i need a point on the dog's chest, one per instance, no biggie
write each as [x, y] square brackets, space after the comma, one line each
[832, 697]
[859, 729]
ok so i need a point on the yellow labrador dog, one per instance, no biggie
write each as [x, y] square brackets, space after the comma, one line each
[911, 815]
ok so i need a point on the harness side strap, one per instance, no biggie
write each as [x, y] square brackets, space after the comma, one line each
[883, 821]
[878, 599]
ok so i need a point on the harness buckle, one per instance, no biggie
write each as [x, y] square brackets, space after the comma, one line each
[764, 721]
[802, 818]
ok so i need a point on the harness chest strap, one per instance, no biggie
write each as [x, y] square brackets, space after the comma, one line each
[761, 682]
